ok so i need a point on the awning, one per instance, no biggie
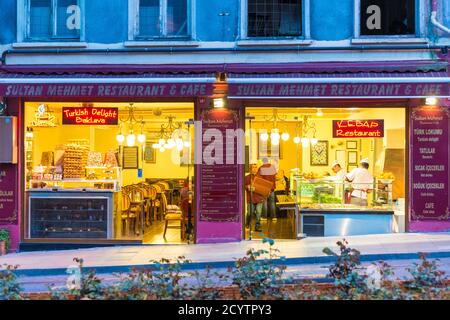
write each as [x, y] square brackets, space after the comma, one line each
[339, 85]
[92, 85]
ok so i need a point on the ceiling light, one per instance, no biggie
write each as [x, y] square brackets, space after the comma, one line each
[314, 141]
[297, 140]
[131, 139]
[264, 136]
[219, 103]
[120, 138]
[275, 136]
[285, 136]
[141, 138]
[431, 101]
[319, 113]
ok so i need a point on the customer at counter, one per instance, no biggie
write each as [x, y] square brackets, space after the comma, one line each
[361, 182]
[337, 169]
[255, 201]
[269, 172]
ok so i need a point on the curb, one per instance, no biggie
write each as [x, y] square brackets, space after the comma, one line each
[226, 264]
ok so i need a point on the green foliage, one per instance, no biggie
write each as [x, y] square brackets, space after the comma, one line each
[87, 287]
[258, 277]
[4, 236]
[9, 287]
[348, 281]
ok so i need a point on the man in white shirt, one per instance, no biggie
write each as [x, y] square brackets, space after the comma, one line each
[337, 169]
[362, 183]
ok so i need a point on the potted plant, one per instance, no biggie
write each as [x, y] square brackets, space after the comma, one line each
[4, 241]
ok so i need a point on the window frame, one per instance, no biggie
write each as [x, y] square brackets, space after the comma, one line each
[305, 34]
[133, 23]
[418, 37]
[24, 24]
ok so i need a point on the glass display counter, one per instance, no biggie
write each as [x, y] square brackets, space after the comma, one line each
[331, 207]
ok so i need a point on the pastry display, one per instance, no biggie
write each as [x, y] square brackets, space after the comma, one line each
[75, 160]
[95, 159]
[111, 159]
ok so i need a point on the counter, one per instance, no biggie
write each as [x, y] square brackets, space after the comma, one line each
[344, 221]
[70, 213]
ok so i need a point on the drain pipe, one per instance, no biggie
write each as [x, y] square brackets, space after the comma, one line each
[434, 20]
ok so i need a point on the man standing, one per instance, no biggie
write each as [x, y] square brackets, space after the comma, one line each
[254, 201]
[337, 169]
[269, 172]
[362, 183]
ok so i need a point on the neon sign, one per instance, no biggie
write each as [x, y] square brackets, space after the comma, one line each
[90, 116]
[358, 128]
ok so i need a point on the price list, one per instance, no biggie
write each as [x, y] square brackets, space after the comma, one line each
[430, 163]
[219, 179]
[8, 187]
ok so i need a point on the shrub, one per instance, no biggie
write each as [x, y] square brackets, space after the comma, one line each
[257, 277]
[349, 283]
[4, 236]
[80, 285]
[9, 287]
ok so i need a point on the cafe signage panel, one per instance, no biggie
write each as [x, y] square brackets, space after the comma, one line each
[219, 181]
[430, 154]
[90, 116]
[8, 193]
[358, 128]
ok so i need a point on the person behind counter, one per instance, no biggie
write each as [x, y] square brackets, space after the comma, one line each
[337, 169]
[269, 172]
[255, 201]
[361, 182]
[282, 188]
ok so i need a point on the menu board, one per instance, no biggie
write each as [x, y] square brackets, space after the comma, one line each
[8, 192]
[219, 186]
[430, 154]
[130, 157]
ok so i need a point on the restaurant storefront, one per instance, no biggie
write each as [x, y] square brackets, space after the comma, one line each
[66, 186]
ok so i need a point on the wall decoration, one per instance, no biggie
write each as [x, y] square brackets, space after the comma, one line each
[267, 150]
[352, 157]
[149, 152]
[340, 156]
[130, 157]
[43, 117]
[352, 144]
[319, 153]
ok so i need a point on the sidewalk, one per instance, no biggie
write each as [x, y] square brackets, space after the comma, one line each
[297, 252]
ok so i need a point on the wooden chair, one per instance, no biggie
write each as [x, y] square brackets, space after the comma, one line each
[127, 216]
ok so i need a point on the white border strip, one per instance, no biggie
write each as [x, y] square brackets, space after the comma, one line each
[329, 97]
[336, 80]
[103, 80]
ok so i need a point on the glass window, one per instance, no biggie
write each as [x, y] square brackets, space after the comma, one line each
[40, 13]
[54, 19]
[274, 18]
[387, 17]
[163, 18]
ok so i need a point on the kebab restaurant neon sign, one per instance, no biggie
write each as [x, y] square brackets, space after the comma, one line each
[90, 116]
[358, 128]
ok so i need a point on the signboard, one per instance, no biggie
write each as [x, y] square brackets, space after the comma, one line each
[125, 90]
[324, 90]
[358, 128]
[90, 116]
[8, 193]
[430, 154]
[130, 157]
[219, 182]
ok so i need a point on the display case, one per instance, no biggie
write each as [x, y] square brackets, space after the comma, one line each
[332, 193]
[70, 215]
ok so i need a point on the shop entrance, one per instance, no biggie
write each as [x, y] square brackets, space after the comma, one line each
[301, 177]
[109, 171]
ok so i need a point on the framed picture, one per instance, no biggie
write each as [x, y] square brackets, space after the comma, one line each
[149, 152]
[267, 150]
[130, 157]
[352, 144]
[319, 153]
[340, 156]
[352, 157]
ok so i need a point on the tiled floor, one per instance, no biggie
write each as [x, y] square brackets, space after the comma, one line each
[309, 247]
